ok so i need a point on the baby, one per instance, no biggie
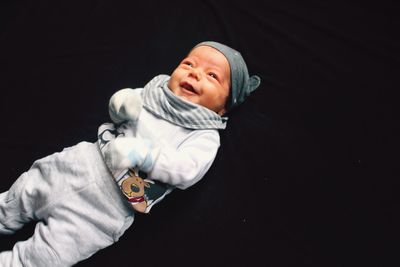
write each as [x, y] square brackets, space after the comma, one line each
[163, 136]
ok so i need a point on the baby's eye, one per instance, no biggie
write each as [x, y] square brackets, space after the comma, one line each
[188, 63]
[213, 75]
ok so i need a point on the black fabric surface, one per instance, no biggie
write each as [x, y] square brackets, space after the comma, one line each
[307, 174]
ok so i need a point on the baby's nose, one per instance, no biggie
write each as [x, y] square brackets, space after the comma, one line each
[195, 73]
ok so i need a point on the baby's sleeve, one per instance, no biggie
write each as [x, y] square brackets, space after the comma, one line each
[188, 163]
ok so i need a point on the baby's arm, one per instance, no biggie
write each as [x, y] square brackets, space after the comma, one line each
[184, 166]
[180, 167]
[124, 153]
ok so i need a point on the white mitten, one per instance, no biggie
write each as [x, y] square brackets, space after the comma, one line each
[128, 152]
[125, 105]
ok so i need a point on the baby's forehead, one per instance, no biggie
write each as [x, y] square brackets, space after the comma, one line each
[205, 50]
[211, 56]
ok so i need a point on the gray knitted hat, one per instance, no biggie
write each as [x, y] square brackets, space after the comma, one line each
[241, 83]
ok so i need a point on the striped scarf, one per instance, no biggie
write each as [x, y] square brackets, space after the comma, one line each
[159, 100]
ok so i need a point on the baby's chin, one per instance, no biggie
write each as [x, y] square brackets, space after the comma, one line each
[182, 93]
[189, 98]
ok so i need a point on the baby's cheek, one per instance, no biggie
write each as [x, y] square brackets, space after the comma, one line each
[172, 85]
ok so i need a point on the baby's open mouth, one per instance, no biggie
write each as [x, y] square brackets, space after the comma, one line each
[188, 87]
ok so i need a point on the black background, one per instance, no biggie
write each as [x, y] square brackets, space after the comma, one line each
[306, 175]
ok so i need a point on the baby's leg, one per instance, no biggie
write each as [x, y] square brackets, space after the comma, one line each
[79, 207]
[36, 249]
[32, 193]
[60, 244]
[16, 207]
[4, 227]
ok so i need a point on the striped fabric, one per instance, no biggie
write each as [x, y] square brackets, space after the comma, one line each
[159, 100]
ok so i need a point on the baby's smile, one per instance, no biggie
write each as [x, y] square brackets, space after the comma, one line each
[188, 88]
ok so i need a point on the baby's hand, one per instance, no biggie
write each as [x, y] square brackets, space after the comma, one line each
[128, 152]
[125, 105]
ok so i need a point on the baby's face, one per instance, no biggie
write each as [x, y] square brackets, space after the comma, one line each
[203, 78]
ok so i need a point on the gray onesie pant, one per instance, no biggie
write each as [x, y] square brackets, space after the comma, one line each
[78, 206]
